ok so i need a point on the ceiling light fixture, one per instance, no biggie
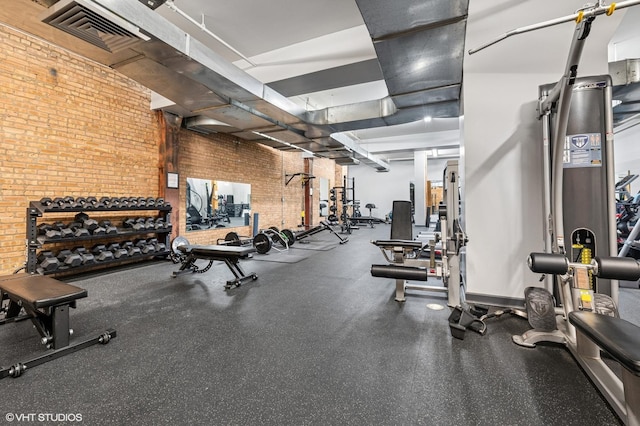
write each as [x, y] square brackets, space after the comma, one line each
[271, 138]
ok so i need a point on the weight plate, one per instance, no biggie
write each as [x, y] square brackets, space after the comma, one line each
[233, 238]
[262, 243]
[177, 242]
[290, 236]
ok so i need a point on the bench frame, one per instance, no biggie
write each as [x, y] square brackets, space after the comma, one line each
[230, 255]
[46, 302]
[623, 394]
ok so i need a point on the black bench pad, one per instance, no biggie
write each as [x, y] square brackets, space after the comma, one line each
[620, 338]
[399, 243]
[40, 291]
[218, 252]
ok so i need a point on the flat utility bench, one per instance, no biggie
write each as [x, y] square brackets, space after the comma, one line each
[46, 302]
[230, 255]
[621, 340]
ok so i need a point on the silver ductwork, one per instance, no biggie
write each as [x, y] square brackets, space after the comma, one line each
[420, 56]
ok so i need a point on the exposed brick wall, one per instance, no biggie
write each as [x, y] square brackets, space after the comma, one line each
[67, 127]
[227, 158]
[224, 157]
[71, 127]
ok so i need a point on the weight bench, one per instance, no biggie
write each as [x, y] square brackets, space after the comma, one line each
[46, 302]
[324, 226]
[621, 340]
[230, 255]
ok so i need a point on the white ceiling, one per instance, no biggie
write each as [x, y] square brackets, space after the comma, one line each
[285, 39]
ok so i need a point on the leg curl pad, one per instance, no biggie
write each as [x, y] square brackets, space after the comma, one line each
[399, 272]
[618, 268]
[548, 263]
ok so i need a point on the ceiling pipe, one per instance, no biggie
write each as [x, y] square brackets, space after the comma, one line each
[581, 14]
[171, 5]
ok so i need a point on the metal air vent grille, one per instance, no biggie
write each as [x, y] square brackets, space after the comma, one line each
[93, 24]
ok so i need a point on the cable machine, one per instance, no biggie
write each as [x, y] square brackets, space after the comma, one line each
[579, 207]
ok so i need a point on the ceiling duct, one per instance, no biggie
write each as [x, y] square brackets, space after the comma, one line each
[625, 76]
[203, 85]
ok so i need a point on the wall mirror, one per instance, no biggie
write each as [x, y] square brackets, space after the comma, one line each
[324, 197]
[217, 204]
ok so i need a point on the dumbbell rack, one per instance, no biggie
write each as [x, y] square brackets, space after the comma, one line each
[36, 242]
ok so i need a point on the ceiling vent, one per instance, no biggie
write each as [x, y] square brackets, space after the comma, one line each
[93, 24]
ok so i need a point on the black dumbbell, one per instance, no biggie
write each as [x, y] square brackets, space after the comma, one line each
[91, 225]
[87, 257]
[123, 202]
[150, 223]
[69, 259]
[151, 202]
[98, 248]
[115, 203]
[99, 231]
[131, 249]
[49, 231]
[135, 224]
[46, 201]
[133, 201]
[152, 243]
[58, 203]
[118, 252]
[70, 202]
[81, 202]
[104, 256]
[101, 253]
[81, 217]
[81, 232]
[144, 246]
[47, 262]
[159, 202]
[108, 227]
[105, 201]
[141, 202]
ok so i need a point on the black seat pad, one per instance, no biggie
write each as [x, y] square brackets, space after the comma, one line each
[40, 291]
[218, 251]
[399, 243]
[620, 338]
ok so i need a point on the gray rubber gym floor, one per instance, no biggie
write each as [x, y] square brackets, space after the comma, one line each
[314, 341]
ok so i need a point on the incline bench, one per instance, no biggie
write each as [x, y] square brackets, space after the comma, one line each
[230, 255]
[46, 302]
[621, 340]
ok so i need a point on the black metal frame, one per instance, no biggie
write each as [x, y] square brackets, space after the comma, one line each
[46, 302]
[35, 242]
[230, 255]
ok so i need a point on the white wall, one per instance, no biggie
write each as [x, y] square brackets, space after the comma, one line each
[627, 154]
[382, 189]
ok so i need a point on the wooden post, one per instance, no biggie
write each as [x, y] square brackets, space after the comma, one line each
[169, 149]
